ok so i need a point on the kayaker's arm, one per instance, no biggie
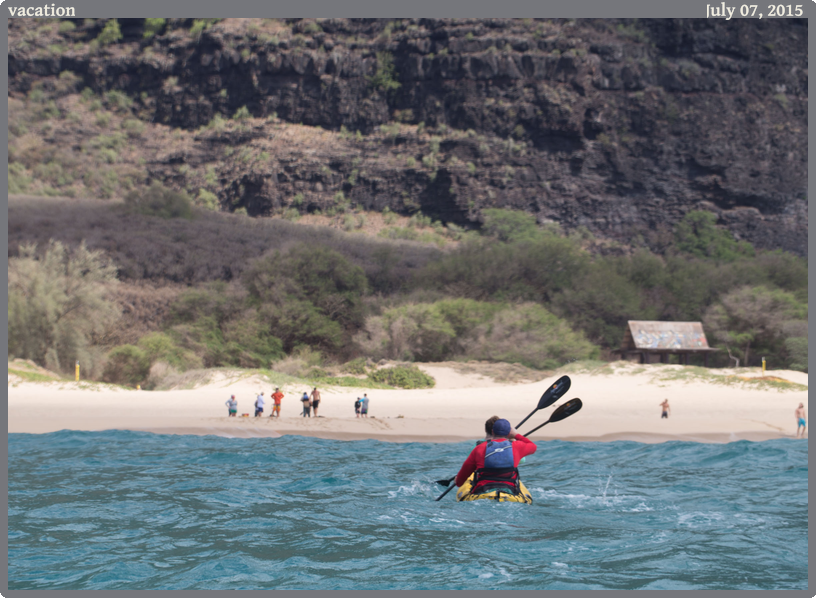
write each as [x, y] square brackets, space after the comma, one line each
[523, 447]
[468, 467]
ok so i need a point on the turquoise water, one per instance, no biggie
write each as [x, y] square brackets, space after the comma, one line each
[127, 510]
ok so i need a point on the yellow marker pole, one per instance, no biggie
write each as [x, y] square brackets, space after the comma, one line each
[763, 366]
[77, 371]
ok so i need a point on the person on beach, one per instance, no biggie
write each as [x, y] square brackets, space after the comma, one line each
[666, 409]
[364, 406]
[259, 405]
[801, 424]
[232, 407]
[357, 407]
[307, 405]
[495, 461]
[315, 396]
[277, 396]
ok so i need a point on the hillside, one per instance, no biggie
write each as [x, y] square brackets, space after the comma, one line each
[614, 126]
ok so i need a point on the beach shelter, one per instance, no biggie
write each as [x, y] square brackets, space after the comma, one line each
[648, 338]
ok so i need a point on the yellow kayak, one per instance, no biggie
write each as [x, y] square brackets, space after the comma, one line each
[498, 495]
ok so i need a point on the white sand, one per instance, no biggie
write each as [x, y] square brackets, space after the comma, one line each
[622, 404]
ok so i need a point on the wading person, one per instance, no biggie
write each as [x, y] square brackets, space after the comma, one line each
[315, 396]
[232, 406]
[277, 397]
[307, 405]
[666, 410]
[494, 463]
[801, 424]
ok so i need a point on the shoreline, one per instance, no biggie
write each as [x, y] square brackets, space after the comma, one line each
[620, 403]
[643, 437]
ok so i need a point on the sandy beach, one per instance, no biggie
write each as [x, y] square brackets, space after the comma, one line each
[621, 402]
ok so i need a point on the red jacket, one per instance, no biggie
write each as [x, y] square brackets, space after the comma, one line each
[521, 448]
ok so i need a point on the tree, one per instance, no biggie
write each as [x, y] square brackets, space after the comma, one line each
[57, 304]
[759, 320]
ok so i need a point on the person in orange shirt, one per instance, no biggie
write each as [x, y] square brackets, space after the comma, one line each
[276, 397]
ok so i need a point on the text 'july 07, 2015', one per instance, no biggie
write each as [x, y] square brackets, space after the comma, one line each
[753, 11]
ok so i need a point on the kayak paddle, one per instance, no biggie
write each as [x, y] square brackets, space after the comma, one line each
[557, 390]
[564, 411]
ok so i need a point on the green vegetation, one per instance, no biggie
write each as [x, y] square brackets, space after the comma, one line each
[153, 27]
[110, 33]
[403, 376]
[385, 77]
[159, 201]
[451, 329]
[255, 296]
[698, 235]
[58, 307]
[32, 376]
[201, 25]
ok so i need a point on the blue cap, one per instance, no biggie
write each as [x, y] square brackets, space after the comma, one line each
[501, 427]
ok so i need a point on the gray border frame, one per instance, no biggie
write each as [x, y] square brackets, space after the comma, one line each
[382, 9]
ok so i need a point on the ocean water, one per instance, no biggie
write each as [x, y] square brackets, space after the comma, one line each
[128, 510]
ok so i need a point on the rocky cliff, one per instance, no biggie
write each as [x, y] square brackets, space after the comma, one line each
[614, 125]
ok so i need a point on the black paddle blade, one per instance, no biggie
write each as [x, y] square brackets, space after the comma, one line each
[445, 483]
[564, 411]
[556, 390]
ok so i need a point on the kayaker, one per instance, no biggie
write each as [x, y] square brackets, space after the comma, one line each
[496, 461]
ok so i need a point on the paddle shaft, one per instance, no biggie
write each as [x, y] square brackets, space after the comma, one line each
[536, 428]
[451, 487]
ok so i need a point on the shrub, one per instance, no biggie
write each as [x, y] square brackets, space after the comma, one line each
[201, 25]
[207, 200]
[127, 364]
[153, 27]
[468, 329]
[385, 77]
[698, 235]
[509, 225]
[357, 367]
[157, 200]
[530, 335]
[242, 114]
[18, 180]
[110, 33]
[57, 304]
[66, 27]
[403, 376]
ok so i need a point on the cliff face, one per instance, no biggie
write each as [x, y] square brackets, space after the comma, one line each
[621, 127]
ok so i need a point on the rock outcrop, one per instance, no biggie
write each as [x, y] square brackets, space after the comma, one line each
[617, 126]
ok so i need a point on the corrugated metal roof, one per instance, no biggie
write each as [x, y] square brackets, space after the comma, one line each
[665, 335]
